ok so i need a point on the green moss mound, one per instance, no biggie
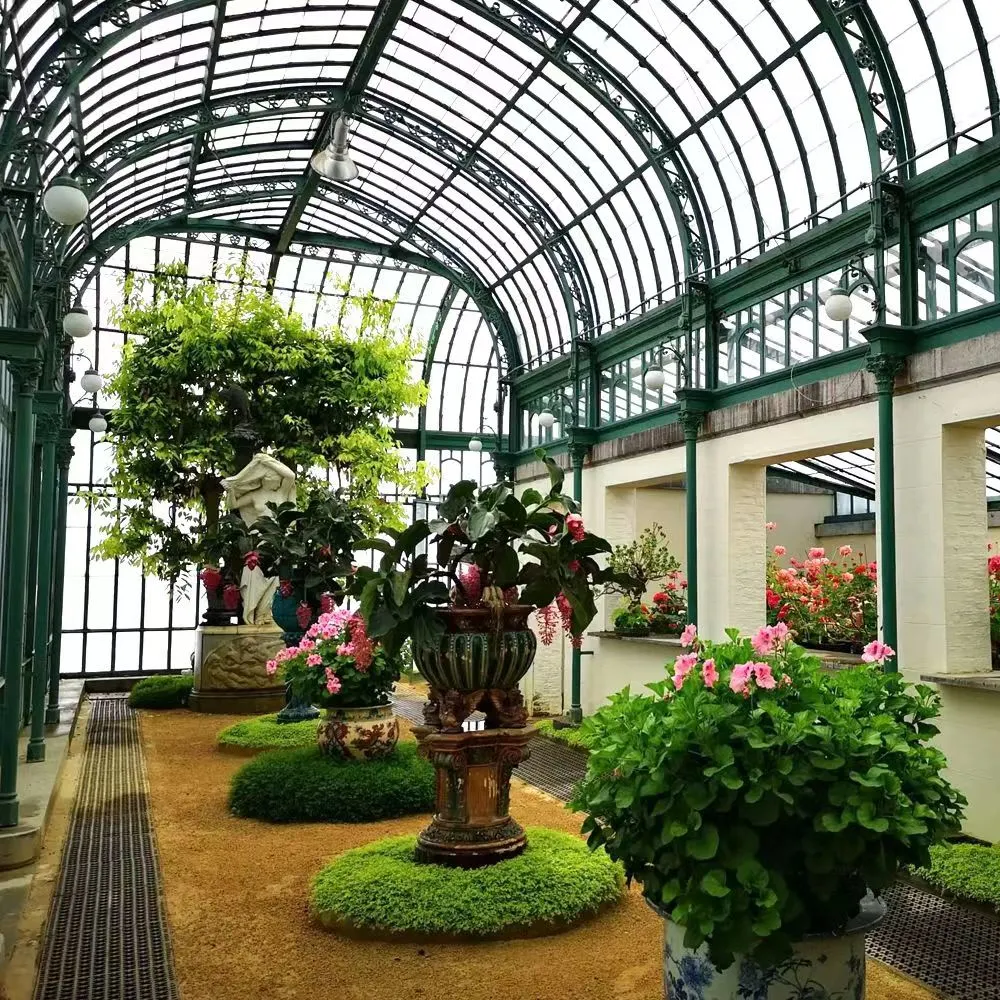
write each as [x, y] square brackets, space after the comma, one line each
[162, 691]
[302, 786]
[571, 737]
[966, 871]
[265, 733]
[381, 891]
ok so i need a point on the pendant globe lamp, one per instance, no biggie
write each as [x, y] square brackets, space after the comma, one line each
[65, 201]
[77, 323]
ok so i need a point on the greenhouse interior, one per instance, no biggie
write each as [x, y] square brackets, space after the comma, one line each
[510, 479]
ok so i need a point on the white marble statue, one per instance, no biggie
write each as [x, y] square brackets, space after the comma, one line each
[265, 480]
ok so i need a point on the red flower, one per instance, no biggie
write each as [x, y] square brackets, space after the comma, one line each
[251, 560]
[285, 588]
[574, 525]
[326, 552]
[211, 577]
[326, 604]
[660, 598]
[303, 615]
[230, 597]
[574, 566]
[773, 600]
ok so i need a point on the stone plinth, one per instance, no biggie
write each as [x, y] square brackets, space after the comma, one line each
[230, 670]
[472, 825]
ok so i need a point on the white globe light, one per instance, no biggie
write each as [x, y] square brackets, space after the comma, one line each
[654, 379]
[92, 381]
[475, 445]
[546, 418]
[98, 424]
[838, 306]
[77, 323]
[65, 202]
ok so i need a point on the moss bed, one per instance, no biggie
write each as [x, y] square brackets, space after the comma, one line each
[381, 891]
[570, 737]
[162, 691]
[265, 733]
[295, 786]
[968, 872]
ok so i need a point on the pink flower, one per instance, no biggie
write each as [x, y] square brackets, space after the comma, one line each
[251, 560]
[332, 682]
[548, 624]
[847, 577]
[307, 644]
[762, 674]
[739, 680]
[763, 641]
[272, 667]
[574, 525]
[877, 652]
[565, 613]
[771, 525]
[779, 633]
[817, 553]
[845, 550]
[709, 674]
[314, 660]
[471, 579]
[786, 680]
[689, 635]
[326, 604]
[553, 529]
[683, 666]
[780, 550]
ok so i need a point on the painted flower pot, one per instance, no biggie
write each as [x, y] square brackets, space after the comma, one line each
[479, 650]
[822, 967]
[359, 733]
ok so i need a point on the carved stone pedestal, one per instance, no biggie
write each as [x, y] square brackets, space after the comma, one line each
[472, 826]
[230, 670]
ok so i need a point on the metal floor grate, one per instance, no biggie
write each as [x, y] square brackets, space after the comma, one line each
[106, 937]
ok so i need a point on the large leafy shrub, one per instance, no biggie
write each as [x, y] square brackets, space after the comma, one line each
[204, 358]
[757, 799]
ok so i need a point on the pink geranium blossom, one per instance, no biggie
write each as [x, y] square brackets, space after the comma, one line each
[763, 641]
[771, 525]
[845, 550]
[709, 674]
[332, 682]
[763, 676]
[272, 667]
[780, 550]
[877, 652]
[683, 666]
[689, 635]
[739, 680]
[314, 660]
[574, 525]
[817, 553]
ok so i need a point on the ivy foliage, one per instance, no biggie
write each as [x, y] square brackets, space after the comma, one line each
[756, 816]
[315, 398]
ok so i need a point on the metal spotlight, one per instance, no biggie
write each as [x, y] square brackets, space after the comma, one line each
[335, 163]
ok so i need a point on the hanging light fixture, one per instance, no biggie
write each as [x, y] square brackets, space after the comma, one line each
[838, 306]
[65, 201]
[546, 418]
[335, 163]
[654, 379]
[475, 445]
[98, 423]
[92, 381]
[77, 323]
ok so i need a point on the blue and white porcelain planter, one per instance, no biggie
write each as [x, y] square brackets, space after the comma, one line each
[820, 968]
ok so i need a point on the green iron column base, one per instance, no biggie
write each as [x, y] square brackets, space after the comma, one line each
[10, 810]
[52, 716]
[35, 752]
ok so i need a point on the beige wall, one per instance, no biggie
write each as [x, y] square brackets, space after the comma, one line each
[796, 516]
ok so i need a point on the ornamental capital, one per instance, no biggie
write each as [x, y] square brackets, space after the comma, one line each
[885, 368]
[47, 428]
[26, 373]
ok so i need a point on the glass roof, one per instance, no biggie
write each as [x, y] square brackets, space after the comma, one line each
[572, 160]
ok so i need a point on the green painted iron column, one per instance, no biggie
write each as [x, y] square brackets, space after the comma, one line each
[47, 431]
[694, 404]
[64, 455]
[580, 441]
[26, 375]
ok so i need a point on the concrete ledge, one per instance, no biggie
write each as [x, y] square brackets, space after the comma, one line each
[656, 640]
[989, 680]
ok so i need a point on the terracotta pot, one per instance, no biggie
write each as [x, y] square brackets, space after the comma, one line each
[479, 651]
[825, 967]
[366, 733]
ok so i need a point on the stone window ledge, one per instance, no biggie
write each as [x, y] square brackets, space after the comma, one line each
[989, 680]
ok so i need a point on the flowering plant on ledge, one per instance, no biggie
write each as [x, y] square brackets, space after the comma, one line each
[337, 665]
[757, 798]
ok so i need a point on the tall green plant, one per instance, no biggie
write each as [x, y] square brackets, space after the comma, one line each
[313, 398]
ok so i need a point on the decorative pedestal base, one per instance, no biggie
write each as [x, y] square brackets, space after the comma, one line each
[472, 826]
[230, 670]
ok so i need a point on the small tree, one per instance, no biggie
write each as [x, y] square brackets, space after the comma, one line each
[209, 365]
[645, 561]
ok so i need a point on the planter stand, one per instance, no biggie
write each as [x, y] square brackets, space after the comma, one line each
[472, 825]
[229, 670]
[296, 710]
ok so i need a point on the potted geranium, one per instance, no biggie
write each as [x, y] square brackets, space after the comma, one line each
[337, 666]
[669, 613]
[760, 801]
[498, 558]
[631, 620]
[638, 565]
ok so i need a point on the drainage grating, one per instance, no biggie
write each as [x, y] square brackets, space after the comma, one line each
[106, 936]
[949, 947]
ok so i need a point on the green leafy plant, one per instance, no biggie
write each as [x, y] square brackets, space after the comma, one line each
[631, 619]
[382, 888]
[207, 361]
[162, 691]
[965, 871]
[757, 798]
[265, 733]
[492, 549]
[572, 736]
[308, 786]
[647, 560]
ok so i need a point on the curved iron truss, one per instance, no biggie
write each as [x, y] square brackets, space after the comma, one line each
[572, 162]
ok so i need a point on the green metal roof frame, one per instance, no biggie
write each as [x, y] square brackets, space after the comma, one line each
[642, 199]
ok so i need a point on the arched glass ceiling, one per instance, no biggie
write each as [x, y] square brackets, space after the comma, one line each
[574, 160]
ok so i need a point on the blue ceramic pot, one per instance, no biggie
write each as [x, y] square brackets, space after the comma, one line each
[283, 610]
